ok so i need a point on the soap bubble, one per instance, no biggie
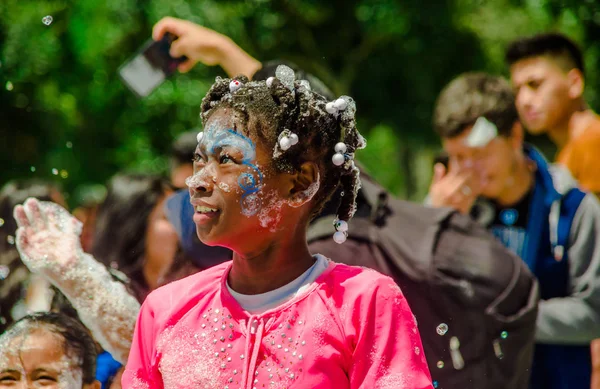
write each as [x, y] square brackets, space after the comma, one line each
[32, 169]
[64, 173]
[251, 205]
[435, 384]
[504, 335]
[440, 364]
[10, 239]
[55, 171]
[9, 86]
[442, 329]
[1, 222]
[69, 145]
[47, 20]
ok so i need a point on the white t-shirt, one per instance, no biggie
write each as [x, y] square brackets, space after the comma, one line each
[258, 303]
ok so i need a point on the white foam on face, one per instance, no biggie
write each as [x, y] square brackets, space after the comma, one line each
[15, 342]
[482, 133]
[197, 180]
[270, 216]
[53, 249]
[251, 204]
[224, 187]
[70, 378]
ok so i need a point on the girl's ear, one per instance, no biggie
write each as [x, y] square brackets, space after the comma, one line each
[305, 184]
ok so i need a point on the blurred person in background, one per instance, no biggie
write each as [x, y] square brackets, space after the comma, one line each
[534, 209]
[133, 234]
[47, 350]
[89, 197]
[548, 77]
[20, 291]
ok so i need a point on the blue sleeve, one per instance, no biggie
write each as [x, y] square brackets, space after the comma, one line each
[106, 368]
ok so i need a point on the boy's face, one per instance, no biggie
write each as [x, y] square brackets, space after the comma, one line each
[491, 164]
[543, 93]
[37, 359]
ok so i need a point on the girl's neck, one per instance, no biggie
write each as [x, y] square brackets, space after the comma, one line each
[270, 268]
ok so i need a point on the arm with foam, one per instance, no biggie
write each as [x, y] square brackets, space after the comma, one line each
[48, 242]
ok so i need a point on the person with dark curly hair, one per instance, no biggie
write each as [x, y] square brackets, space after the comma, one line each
[271, 154]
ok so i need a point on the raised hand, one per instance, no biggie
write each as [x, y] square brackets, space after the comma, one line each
[48, 241]
[201, 44]
[454, 188]
[47, 237]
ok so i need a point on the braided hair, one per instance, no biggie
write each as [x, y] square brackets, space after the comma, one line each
[281, 107]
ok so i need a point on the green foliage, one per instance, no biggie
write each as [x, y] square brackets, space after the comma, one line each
[59, 85]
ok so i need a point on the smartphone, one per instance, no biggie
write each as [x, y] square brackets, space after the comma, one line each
[151, 65]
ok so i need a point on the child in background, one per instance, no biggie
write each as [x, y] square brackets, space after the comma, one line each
[49, 350]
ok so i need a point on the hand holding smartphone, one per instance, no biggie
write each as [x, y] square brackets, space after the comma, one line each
[150, 67]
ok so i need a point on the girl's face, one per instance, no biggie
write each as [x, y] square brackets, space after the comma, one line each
[240, 202]
[37, 359]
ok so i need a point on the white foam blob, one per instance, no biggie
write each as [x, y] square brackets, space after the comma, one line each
[482, 133]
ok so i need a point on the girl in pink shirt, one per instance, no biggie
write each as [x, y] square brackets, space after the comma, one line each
[271, 155]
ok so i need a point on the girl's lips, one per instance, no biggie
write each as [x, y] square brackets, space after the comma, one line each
[205, 217]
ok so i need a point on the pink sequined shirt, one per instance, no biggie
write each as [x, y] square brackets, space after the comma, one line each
[351, 328]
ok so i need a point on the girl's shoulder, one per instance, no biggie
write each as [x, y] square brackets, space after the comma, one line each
[358, 281]
[183, 291]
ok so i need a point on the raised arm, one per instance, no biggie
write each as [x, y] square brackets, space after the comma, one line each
[201, 44]
[48, 242]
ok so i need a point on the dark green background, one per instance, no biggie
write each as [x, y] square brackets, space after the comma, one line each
[59, 84]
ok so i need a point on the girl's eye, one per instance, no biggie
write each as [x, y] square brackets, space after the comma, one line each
[225, 159]
[198, 158]
[46, 380]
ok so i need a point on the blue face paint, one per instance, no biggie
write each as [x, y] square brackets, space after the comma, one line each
[249, 182]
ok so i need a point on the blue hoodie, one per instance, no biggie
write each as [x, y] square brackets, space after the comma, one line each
[565, 257]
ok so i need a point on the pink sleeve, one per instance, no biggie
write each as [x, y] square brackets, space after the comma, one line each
[139, 372]
[388, 351]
